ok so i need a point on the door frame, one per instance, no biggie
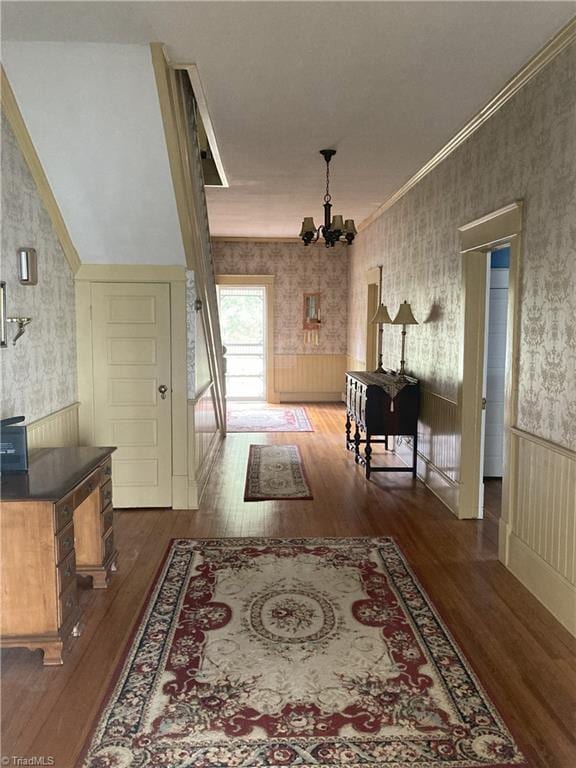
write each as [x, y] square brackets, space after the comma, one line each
[136, 273]
[477, 238]
[372, 302]
[267, 282]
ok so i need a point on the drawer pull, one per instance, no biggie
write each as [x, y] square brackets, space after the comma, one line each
[108, 470]
[68, 571]
[66, 512]
[90, 487]
[67, 542]
[108, 496]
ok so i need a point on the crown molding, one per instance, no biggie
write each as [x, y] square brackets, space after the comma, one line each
[24, 140]
[556, 45]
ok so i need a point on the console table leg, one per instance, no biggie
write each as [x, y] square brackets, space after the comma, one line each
[356, 444]
[348, 425]
[368, 454]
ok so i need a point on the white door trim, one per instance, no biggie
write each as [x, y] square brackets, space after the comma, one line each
[476, 239]
[136, 273]
[267, 282]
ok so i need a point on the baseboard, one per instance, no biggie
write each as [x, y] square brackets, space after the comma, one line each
[207, 466]
[309, 397]
[55, 430]
[442, 486]
[555, 592]
[179, 491]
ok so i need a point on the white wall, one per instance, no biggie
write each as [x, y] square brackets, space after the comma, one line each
[93, 114]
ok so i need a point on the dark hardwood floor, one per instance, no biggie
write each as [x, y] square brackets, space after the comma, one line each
[525, 659]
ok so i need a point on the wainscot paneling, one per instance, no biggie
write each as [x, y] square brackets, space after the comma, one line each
[55, 430]
[353, 364]
[542, 525]
[309, 377]
[204, 442]
[438, 447]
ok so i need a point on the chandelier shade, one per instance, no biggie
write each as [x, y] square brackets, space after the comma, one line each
[335, 229]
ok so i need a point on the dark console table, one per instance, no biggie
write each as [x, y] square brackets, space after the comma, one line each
[381, 405]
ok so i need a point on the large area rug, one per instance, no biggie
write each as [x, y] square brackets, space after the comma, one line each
[250, 417]
[294, 652]
[275, 472]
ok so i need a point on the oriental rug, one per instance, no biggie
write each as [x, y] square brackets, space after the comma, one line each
[248, 417]
[321, 653]
[275, 472]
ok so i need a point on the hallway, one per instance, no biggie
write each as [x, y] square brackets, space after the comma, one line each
[525, 659]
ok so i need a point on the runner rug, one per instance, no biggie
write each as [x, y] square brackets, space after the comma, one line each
[246, 417]
[275, 472]
[295, 652]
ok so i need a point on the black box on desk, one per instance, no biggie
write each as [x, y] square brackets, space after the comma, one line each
[13, 446]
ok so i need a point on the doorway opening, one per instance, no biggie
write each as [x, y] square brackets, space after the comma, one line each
[243, 326]
[494, 378]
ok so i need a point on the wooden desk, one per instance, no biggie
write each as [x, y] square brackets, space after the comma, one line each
[56, 522]
[381, 404]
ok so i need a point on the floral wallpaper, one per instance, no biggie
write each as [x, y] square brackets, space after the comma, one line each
[298, 269]
[38, 375]
[526, 151]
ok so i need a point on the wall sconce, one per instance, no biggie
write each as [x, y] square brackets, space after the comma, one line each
[404, 318]
[27, 266]
[21, 323]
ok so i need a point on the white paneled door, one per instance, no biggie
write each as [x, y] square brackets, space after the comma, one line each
[132, 388]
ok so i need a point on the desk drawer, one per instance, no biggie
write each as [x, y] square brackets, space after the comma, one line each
[68, 603]
[106, 470]
[64, 542]
[108, 545]
[63, 512]
[106, 495]
[66, 572]
[107, 519]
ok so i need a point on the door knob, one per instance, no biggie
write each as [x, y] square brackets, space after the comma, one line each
[163, 389]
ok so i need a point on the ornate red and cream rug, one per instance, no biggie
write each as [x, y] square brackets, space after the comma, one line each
[275, 472]
[316, 653]
[250, 417]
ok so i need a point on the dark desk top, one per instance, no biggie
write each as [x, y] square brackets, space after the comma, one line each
[53, 472]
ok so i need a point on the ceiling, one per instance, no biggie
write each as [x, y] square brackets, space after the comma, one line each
[387, 84]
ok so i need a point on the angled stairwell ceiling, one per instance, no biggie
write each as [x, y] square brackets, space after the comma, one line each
[93, 114]
[387, 84]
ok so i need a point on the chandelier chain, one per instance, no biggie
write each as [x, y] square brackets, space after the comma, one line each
[327, 196]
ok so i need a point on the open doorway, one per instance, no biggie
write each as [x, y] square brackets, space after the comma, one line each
[495, 378]
[243, 327]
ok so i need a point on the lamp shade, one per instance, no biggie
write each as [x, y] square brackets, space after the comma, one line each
[405, 316]
[350, 227]
[337, 223]
[381, 315]
[307, 226]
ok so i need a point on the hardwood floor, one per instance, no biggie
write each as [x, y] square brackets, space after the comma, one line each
[525, 659]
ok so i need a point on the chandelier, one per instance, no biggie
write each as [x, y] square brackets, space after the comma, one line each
[334, 230]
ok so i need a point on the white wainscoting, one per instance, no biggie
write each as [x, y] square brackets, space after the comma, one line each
[438, 447]
[55, 430]
[540, 536]
[204, 440]
[310, 378]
